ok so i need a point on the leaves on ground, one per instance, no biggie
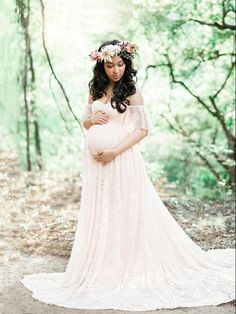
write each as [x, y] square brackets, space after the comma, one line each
[39, 212]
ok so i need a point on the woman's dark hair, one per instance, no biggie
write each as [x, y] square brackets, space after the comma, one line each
[122, 89]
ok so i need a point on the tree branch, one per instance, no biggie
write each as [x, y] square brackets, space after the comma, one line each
[51, 67]
[225, 81]
[180, 130]
[151, 66]
[222, 26]
[229, 135]
[198, 98]
[204, 159]
[216, 113]
[216, 55]
[58, 108]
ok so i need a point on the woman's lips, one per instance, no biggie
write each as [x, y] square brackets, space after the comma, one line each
[116, 77]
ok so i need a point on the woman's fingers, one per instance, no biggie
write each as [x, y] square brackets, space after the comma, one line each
[101, 114]
[104, 116]
[101, 118]
[102, 121]
[98, 154]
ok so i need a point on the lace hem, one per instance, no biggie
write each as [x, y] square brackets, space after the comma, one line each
[86, 112]
[140, 117]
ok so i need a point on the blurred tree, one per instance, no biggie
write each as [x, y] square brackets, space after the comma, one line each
[193, 43]
[188, 58]
[53, 73]
[27, 79]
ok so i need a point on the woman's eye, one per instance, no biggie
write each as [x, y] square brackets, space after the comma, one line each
[111, 66]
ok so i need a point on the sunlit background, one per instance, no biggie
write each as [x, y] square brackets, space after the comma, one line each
[185, 63]
[182, 64]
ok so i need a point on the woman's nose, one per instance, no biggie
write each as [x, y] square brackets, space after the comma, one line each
[116, 69]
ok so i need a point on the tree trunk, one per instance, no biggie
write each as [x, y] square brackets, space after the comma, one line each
[37, 145]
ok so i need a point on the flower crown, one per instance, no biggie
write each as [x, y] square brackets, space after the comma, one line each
[124, 49]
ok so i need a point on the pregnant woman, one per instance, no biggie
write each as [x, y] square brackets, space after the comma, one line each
[129, 253]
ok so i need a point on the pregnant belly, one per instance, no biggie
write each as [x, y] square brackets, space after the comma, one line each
[104, 136]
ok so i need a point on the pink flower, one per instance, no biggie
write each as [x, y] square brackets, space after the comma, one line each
[96, 55]
[129, 47]
[108, 51]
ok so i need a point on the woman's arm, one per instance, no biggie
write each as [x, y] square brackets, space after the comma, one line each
[87, 122]
[138, 134]
[131, 139]
[97, 118]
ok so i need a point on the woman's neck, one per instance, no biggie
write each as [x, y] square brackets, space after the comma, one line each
[110, 86]
[109, 89]
[109, 92]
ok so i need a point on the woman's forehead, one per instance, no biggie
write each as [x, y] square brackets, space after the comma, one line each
[115, 59]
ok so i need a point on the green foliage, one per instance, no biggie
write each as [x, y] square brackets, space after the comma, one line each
[189, 46]
[173, 47]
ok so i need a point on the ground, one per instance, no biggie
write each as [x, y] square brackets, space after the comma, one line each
[38, 216]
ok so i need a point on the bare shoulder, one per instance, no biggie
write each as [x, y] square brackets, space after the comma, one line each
[90, 99]
[136, 98]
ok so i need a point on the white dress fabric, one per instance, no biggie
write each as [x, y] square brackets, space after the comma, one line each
[129, 253]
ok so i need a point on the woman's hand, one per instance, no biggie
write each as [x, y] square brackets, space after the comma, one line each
[105, 157]
[100, 117]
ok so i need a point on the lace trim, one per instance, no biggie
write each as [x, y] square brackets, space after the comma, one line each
[141, 117]
[86, 112]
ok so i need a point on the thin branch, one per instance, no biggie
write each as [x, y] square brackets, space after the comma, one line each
[225, 11]
[181, 131]
[223, 26]
[51, 67]
[225, 81]
[151, 66]
[216, 55]
[185, 134]
[58, 108]
[215, 134]
[216, 113]
[198, 98]
[204, 159]
[229, 135]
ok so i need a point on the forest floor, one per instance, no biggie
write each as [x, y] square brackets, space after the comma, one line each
[38, 217]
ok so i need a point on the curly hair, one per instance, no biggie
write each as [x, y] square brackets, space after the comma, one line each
[122, 89]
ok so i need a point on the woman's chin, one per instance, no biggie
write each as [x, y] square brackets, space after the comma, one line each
[116, 79]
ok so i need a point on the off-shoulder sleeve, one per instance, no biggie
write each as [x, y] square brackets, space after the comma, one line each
[140, 117]
[86, 112]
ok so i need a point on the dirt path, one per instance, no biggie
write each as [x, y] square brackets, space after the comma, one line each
[30, 203]
[16, 299]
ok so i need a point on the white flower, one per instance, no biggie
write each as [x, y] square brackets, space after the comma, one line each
[111, 49]
[108, 51]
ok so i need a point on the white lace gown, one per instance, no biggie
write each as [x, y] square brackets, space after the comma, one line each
[129, 253]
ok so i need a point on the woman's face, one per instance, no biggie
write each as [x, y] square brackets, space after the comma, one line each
[115, 69]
